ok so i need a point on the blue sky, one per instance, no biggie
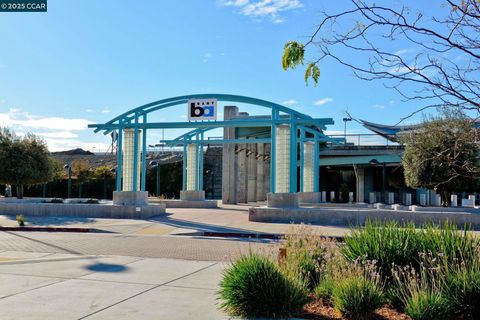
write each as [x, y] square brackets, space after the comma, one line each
[87, 61]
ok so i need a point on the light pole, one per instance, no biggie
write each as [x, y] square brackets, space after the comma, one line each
[345, 120]
[69, 167]
[156, 164]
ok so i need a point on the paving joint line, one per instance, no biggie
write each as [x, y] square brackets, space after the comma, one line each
[145, 291]
[42, 242]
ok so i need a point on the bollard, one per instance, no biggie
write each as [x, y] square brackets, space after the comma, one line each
[372, 198]
[391, 198]
[423, 199]
[408, 199]
[453, 200]
[324, 196]
[350, 197]
[438, 200]
[332, 196]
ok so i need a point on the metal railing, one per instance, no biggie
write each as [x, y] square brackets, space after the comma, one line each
[365, 139]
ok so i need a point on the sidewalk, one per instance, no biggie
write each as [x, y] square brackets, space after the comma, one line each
[178, 221]
[66, 286]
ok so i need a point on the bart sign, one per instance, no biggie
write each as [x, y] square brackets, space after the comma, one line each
[202, 109]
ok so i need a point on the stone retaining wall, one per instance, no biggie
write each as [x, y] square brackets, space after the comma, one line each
[352, 217]
[81, 210]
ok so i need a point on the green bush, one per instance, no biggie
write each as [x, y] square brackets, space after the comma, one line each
[255, 287]
[343, 192]
[392, 244]
[357, 296]
[462, 290]
[305, 256]
[324, 289]
[385, 243]
[20, 220]
[427, 305]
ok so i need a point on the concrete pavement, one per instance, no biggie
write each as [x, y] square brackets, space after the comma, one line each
[178, 221]
[66, 286]
[161, 268]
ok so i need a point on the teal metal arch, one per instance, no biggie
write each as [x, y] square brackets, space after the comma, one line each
[170, 102]
[298, 122]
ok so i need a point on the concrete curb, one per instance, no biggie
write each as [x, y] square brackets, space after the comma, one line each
[46, 229]
[273, 236]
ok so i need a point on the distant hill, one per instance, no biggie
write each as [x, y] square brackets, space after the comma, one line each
[74, 152]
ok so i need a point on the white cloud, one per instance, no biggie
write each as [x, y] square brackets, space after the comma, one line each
[68, 144]
[290, 102]
[379, 106]
[58, 132]
[105, 110]
[323, 101]
[89, 110]
[17, 119]
[260, 9]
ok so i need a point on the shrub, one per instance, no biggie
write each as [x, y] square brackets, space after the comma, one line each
[357, 296]
[421, 292]
[324, 289]
[393, 244]
[255, 287]
[20, 220]
[343, 191]
[462, 289]
[427, 305]
[305, 255]
[385, 243]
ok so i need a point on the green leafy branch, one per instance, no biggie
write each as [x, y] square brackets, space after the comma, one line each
[294, 55]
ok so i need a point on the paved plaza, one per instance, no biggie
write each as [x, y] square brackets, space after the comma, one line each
[161, 268]
[68, 286]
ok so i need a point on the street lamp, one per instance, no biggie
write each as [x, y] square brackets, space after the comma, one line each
[156, 164]
[345, 120]
[69, 167]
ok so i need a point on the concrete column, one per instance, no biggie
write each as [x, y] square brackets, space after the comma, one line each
[242, 174]
[308, 167]
[260, 172]
[229, 166]
[252, 172]
[191, 165]
[282, 157]
[360, 184]
[267, 171]
[127, 160]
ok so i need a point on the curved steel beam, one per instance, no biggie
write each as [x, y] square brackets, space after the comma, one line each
[165, 103]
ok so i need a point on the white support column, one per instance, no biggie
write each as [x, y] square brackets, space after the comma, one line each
[308, 167]
[128, 160]
[242, 174]
[360, 184]
[191, 165]
[229, 160]
[260, 172]
[282, 157]
[252, 172]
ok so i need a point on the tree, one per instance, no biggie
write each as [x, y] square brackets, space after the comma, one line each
[103, 172]
[443, 155]
[24, 160]
[440, 67]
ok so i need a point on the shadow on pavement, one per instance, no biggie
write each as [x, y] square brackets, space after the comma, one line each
[203, 227]
[106, 267]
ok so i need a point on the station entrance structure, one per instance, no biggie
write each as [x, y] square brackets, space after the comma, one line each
[294, 140]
